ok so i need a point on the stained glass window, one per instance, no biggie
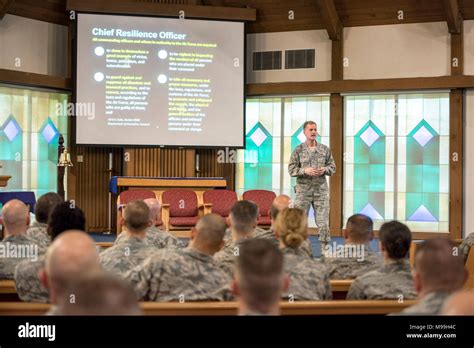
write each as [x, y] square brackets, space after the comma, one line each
[274, 128]
[30, 124]
[396, 152]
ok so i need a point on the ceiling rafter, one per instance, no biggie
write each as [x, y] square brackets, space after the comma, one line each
[330, 18]
[453, 16]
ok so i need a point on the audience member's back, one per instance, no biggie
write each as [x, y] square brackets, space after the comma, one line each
[309, 279]
[439, 272]
[43, 208]
[394, 279]
[64, 216]
[185, 274]
[133, 248]
[355, 257]
[16, 246]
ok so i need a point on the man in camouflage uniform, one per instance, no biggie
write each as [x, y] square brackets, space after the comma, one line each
[39, 228]
[17, 245]
[259, 280]
[185, 274]
[310, 163]
[466, 245]
[356, 257]
[132, 249]
[439, 272]
[155, 236]
[71, 257]
[243, 222]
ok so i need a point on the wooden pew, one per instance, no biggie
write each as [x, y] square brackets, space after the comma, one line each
[8, 291]
[340, 288]
[415, 243]
[230, 308]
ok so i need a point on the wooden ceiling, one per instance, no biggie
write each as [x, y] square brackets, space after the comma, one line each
[272, 15]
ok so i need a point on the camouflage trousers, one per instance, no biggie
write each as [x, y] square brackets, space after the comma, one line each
[320, 203]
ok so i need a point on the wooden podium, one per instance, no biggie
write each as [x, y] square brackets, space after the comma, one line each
[4, 180]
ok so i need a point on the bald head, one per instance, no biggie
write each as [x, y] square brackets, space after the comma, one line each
[137, 216]
[100, 295]
[71, 256]
[439, 267]
[209, 232]
[16, 217]
[155, 209]
[461, 303]
[279, 203]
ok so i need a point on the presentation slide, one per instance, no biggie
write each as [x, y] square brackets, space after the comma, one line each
[159, 81]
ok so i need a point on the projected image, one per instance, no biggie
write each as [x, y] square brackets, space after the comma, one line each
[160, 81]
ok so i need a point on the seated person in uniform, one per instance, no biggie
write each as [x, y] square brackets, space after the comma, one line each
[154, 235]
[188, 274]
[65, 216]
[16, 246]
[259, 280]
[356, 257]
[394, 279]
[70, 257]
[309, 279]
[243, 221]
[466, 245]
[282, 202]
[43, 207]
[133, 248]
[100, 294]
[439, 272]
[460, 303]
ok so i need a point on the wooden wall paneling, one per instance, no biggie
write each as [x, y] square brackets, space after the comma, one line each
[456, 163]
[92, 184]
[4, 7]
[210, 167]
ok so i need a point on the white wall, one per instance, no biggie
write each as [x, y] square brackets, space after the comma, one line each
[468, 212]
[396, 51]
[41, 47]
[469, 47]
[317, 39]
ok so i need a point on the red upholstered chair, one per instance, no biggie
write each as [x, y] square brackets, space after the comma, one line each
[180, 209]
[264, 199]
[128, 196]
[221, 201]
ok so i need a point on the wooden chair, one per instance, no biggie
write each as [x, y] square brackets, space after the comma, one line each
[181, 209]
[220, 201]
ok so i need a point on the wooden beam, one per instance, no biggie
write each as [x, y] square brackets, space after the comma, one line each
[337, 140]
[153, 9]
[346, 86]
[4, 7]
[453, 16]
[330, 18]
[456, 163]
[337, 58]
[457, 52]
[35, 80]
